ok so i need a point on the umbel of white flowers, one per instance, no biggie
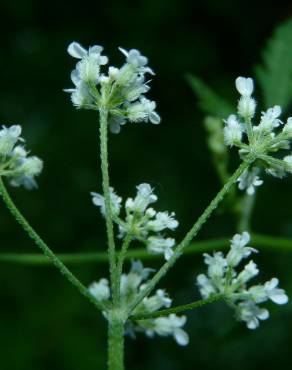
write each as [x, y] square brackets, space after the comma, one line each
[142, 222]
[119, 90]
[222, 278]
[15, 163]
[265, 138]
[131, 284]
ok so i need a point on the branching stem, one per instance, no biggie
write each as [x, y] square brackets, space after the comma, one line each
[177, 309]
[192, 233]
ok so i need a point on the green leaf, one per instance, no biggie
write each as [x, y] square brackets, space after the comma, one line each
[209, 101]
[275, 75]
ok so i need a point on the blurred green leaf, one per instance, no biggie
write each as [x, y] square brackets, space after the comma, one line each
[36, 259]
[209, 101]
[275, 74]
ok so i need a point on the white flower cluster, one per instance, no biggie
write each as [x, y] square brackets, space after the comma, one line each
[121, 90]
[131, 284]
[222, 278]
[266, 137]
[142, 221]
[15, 164]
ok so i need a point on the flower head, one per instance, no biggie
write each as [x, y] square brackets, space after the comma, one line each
[19, 168]
[260, 139]
[120, 90]
[141, 221]
[223, 279]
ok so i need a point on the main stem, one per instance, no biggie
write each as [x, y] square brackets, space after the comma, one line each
[103, 114]
[192, 233]
[115, 344]
[43, 246]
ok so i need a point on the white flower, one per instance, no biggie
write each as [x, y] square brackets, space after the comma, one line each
[232, 131]
[8, 138]
[134, 57]
[206, 286]
[145, 224]
[98, 200]
[250, 270]
[171, 325]
[238, 249]
[100, 290]
[131, 282]
[269, 119]
[17, 166]
[163, 220]
[287, 128]
[216, 264]
[223, 279]
[246, 107]
[244, 86]
[87, 70]
[144, 110]
[115, 123]
[262, 139]
[154, 303]
[249, 180]
[80, 95]
[121, 89]
[143, 198]
[158, 245]
[31, 166]
[275, 294]
[251, 314]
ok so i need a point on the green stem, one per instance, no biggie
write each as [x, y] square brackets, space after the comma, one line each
[177, 309]
[43, 246]
[121, 258]
[192, 233]
[115, 344]
[107, 200]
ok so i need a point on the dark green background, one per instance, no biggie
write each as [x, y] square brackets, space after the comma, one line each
[44, 322]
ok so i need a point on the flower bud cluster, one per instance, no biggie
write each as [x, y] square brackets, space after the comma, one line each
[142, 222]
[222, 278]
[266, 137]
[15, 164]
[120, 91]
[131, 284]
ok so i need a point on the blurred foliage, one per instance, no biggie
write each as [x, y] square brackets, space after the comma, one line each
[275, 76]
[44, 322]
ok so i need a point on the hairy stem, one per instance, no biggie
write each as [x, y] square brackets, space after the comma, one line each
[177, 309]
[107, 200]
[192, 233]
[43, 246]
[115, 344]
[121, 258]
